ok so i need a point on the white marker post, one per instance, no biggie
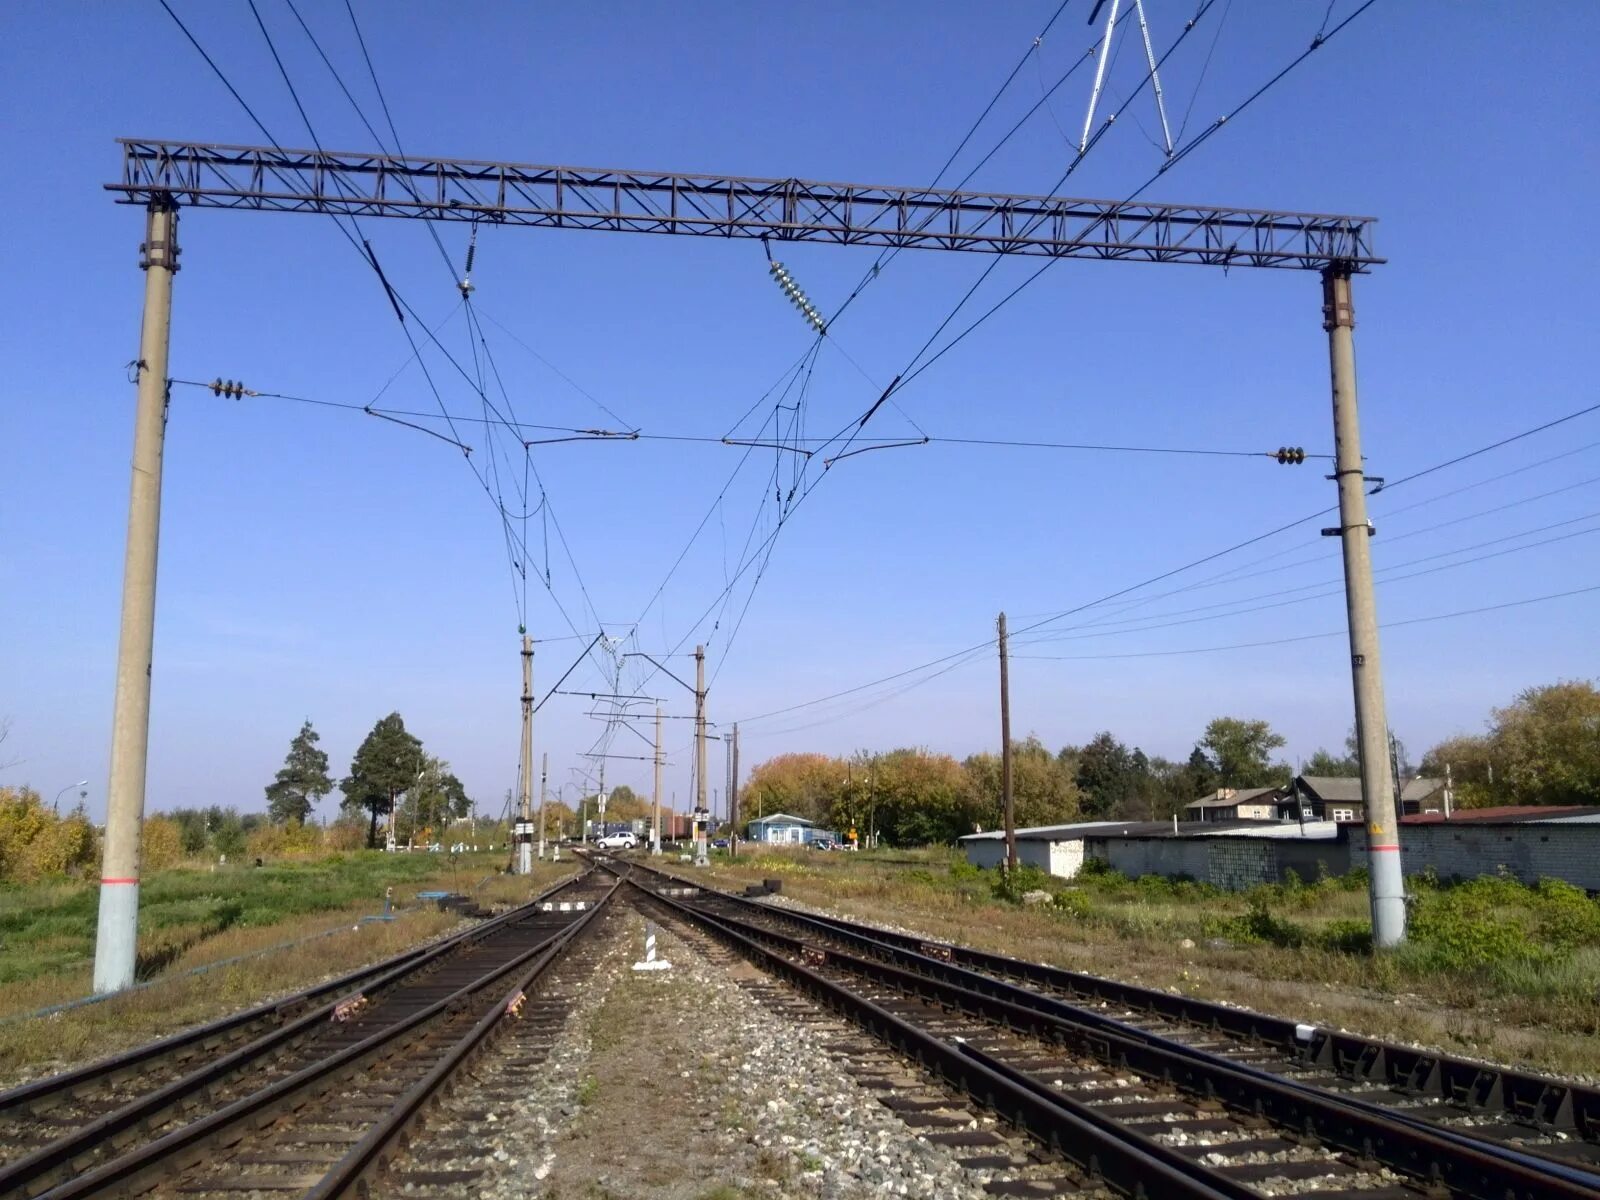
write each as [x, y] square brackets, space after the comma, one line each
[651, 962]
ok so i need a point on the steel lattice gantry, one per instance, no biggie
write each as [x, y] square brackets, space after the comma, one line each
[198, 175]
[166, 176]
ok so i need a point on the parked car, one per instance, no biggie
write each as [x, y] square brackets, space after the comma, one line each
[618, 841]
[720, 844]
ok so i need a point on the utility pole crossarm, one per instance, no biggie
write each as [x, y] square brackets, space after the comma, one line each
[379, 185]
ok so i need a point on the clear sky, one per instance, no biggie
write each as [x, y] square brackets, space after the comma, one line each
[325, 564]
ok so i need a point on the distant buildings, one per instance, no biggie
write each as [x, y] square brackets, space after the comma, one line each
[787, 830]
[1314, 826]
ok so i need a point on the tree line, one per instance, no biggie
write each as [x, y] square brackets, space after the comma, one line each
[1544, 748]
[909, 795]
[391, 778]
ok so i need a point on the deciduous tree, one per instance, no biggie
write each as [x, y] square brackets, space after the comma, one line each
[1240, 751]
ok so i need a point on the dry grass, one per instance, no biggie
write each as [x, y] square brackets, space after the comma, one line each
[32, 1046]
[1549, 1021]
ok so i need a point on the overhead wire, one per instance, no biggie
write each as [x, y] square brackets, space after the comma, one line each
[363, 248]
[1052, 618]
[1306, 637]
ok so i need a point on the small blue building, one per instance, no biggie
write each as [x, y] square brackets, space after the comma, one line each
[782, 829]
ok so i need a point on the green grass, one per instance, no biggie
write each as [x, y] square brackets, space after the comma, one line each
[49, 928]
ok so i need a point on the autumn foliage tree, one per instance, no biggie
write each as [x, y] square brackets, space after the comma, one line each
[1542, 748]
[36, 843]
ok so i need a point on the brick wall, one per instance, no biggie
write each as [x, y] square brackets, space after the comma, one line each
[1230, 863]
[1568, 850]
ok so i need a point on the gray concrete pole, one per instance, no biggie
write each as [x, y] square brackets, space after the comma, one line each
[544, 789]
[117, 938]
[700, 756]
[1386, 884]
[1008, 811]
[524, 837]
[733, 797]
[655, 797]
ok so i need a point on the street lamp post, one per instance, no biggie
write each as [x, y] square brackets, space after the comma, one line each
[55, 804]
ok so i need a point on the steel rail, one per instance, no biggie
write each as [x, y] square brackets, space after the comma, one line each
[1540, 1102]
[1420, 1150]
[371, 1154]
[148, 1159]
[1127, 1161]
[29, 1174]
[863, 937]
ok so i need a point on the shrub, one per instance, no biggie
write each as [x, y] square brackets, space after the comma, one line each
[1347, 936]
[1256, 926]
[1075, 904]
[160, 844]
[293, 840]
[36, 843]
[1010, 885]
[962, 869]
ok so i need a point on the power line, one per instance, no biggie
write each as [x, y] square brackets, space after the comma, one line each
[1052, 618]
[1306, 637]
[400, 304]
[1157, 620]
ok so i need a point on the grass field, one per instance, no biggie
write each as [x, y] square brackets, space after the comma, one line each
[1492, 968]
[194, 916]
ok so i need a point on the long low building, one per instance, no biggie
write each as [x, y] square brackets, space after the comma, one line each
[1526, 843]
[1229, 854]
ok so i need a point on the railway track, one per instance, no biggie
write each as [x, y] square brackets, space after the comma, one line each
[311, 1095]
[1196, 1096]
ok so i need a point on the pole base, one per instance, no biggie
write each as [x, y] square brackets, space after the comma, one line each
[116, 944]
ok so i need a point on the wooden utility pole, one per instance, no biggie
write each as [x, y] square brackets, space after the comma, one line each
[733, 797]
[117, 937]
[1005, 753]
[655, 797]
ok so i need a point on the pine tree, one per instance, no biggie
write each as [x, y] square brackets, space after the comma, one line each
[386, 765]
[302, 780]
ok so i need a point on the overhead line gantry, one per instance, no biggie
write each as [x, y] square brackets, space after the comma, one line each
[270, 179]
[165, 176]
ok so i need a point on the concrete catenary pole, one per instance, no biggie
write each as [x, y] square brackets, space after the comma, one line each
[116, 940]
[733, 796]
[655, 795]
[1007, 808]
[700, 756]
[544, 791]
[524, 836]
[1387, 887]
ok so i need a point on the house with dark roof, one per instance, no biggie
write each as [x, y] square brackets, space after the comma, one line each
[1339, 798]
[1235, 804]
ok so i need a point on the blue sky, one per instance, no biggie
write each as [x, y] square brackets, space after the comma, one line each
[323, 564]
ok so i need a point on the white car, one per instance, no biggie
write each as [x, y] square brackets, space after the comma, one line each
[618, 841]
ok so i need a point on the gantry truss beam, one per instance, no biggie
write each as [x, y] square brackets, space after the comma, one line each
[380, 185]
